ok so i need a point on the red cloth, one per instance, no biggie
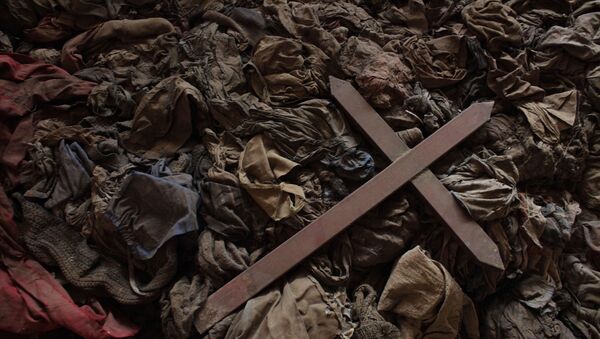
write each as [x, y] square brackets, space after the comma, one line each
[27, 85]
[32, 301]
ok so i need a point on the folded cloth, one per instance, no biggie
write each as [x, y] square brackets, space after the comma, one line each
[261, 166]
[145, 219]
[426, 300]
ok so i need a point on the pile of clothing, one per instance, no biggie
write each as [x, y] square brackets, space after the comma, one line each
[152, 150]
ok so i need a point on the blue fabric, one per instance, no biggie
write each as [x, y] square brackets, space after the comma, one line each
[149, 210]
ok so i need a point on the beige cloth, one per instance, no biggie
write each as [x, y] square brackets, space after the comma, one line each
[554, 114]
[261, 166]
[427, 302]
[301, 309]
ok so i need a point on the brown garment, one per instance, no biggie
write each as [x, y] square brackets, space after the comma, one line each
[514, 79]
[297, 308]
[79, 51]
[216, 71]
[438, 62]
[485, 186]
[308, 132]
[227, 209]
[409, 14]
[429, 109]
[526, 312]
[331, 264]
[592, 89]
[578, 41]
[554, 114]
[426, 301]
[180, 304]
[46, 55]
[382, 76]
[494, 23]
[302, 22]
[54, 243]
[582, 280]
[383, 233]
[508, 135]
[284, 70]
[346, 18]
[5, 44]
[261, 167]
[166, 118]
[371, 324]
[220, 259]
[589, 187]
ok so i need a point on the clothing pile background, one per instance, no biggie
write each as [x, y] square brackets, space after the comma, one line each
[151, 150]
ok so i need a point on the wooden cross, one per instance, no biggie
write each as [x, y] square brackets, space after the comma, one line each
[407, 165]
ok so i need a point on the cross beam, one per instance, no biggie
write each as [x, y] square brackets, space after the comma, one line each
[468, 232]
[302, 244]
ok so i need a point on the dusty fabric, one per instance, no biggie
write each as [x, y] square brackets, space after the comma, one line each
[427, 109]
[528, 312]
[109, 35]
[302, 22]
[331, 264]
[547, 118]
[228, 210]
[312, 131]
[382, 234]
[52, 242]
[298, 308]
[5, 44]
[494, 23]
[46, 55]
[426, 301]
[34, 301]
[143, 220]
[581, 279]
[287, 70]
[578, 41]
[382, 76]
[219, 258]
[513, 78]
[486, 187]
[507, 135]
[74, 170]
[261, 167]
[26, 84]
[180, 304]
[371, 323]
[589, 187]
[437, 62]
[215, 122]
[166, 118]
[108, 99]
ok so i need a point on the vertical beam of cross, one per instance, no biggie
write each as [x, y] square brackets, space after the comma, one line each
[466, 230]
[302, 244]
